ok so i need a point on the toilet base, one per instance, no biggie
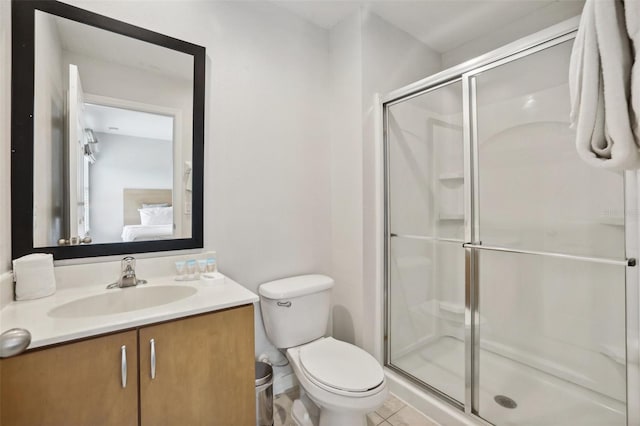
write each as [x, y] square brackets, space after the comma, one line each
[305, 413]
[302, 416]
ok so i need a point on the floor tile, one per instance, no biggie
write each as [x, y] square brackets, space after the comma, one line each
[374, 419]
[394, 412]
[390, 406]
[282, 410]
[408, 416]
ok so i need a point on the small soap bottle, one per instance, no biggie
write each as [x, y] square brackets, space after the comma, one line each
[202, 266]
[212, 266]
[180, 266]
[191, 269]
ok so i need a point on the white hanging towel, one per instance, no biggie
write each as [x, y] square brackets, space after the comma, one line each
[603, 111]
[34, 276]
[188, 171]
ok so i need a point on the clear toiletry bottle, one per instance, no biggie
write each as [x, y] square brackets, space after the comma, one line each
[212, 266]
[191, 269]
[202, 266]
[180, 267]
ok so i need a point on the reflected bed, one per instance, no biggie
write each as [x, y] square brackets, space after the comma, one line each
[154, 205]
[146, 232]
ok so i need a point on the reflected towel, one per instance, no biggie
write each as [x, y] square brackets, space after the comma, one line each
[188, 171]
[600, 83]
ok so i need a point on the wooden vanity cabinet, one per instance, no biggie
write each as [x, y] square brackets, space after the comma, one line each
[204, 371]
[204, 376]
[74, 384]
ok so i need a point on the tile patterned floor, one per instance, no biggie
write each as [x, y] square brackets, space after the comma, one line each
[394, 412]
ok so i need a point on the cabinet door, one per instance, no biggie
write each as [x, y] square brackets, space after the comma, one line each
[204, 371]
[75, 384]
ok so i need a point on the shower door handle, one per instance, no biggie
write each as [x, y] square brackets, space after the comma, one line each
[620, 262]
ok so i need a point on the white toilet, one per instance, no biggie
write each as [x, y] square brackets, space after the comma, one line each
[344, 381]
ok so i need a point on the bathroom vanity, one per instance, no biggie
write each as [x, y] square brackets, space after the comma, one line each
[163, 353]
[186, 361]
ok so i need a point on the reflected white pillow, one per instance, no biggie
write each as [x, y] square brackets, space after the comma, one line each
[156, 216]
[150, 206]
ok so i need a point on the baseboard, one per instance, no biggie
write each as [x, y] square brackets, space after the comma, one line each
[427, 404]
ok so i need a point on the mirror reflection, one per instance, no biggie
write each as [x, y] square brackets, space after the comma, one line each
[112, 137]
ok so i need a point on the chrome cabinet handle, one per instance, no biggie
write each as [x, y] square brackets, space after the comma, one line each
[123, 365]
[153, 358]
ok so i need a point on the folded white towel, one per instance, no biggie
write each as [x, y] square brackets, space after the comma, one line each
[600, 85]
[34, 276]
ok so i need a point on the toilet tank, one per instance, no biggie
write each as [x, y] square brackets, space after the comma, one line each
[295, 310]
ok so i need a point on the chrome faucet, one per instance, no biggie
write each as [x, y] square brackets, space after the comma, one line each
[127, 274]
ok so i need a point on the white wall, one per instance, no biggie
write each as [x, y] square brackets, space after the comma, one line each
[124, 162]
[346, 177]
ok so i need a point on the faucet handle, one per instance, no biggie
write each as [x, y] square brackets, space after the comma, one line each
[128, 264]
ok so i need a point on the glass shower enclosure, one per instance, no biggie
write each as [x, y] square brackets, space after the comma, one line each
[508, 268]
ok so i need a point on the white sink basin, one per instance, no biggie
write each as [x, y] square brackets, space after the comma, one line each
[117, 301]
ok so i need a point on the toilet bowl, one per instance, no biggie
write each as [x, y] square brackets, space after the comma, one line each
[342, 380]
[346, 387]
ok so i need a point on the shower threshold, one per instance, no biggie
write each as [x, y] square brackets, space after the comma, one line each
[539, 398]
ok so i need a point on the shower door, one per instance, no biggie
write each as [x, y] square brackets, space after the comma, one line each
[506, 262]
[426, 222]
[550, 336]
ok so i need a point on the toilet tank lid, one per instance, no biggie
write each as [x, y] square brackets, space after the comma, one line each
[302, 285]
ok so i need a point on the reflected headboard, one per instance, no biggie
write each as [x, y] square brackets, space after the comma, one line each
[134, 198]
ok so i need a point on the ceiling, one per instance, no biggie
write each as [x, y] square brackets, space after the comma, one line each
[120, 121]
[442, 25]
[114, 48]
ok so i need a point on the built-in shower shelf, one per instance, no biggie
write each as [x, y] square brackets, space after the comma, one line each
[452, 176]
[442, 310]
[451, 307]
[612, 220]
[451, 217]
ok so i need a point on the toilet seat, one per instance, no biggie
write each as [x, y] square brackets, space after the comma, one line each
[340, 367]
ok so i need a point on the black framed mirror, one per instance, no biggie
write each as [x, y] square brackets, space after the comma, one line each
[107, 135]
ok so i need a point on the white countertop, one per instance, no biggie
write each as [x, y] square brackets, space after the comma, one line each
[45, 330]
